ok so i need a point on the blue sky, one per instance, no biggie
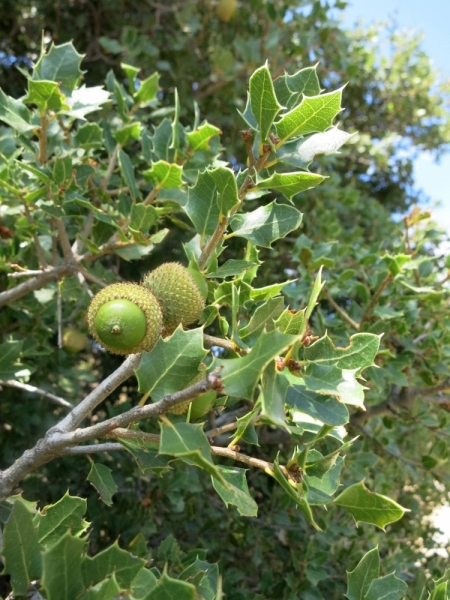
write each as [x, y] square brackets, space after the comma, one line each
[432, 19]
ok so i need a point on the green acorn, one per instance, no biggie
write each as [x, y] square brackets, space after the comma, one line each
[125, 318]
[180, 298]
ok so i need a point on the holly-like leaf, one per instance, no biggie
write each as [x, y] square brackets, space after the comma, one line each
[62, 170]
[171, 365]
[147, 90]
[126, 168]
[161, 140]
[142, 218]
[212, 197]
[131, 131]
[61, 568]
[324, 409]
[54, 520]
[9, 354]
[248, 116]
[143, 583]
[146, 455]
[359, 580]
[294, 491]
[266, 224]
[188, 442]
[231, 268]
[332, 381]
[314, 114]
[290, 322]
[205, 577]
[289, 184]
[388, 587]
[123, 564]
[440, 591]
[358, 355]
[101, 478]
[264, 293]
[21, 549]
[168, 588]
[301, 152]
[304, 82]
[199, 139]
[165, 175]
[108, 589]
[273, 395]
[89, 136]
[15, 114]
[60, 64]
[240, 375]
[321, 487]
[267, 313]
[263, 100]
[368, 507]
[46, 95]
[236, 492]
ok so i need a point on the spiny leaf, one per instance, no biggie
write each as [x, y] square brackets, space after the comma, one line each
[266, 224]
[236, 492]
[290, 184]
[263, 100]
[101, 478]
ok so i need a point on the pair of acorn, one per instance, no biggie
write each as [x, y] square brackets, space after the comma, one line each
[127, 318]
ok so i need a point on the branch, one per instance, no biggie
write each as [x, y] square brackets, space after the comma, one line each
[210, 340]
[248, 460]
[375, 298]
[341, 311]
[77, 450]
[34, 390]
[111, 167]
[37, 282]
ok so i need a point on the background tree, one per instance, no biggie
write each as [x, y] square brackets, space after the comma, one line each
[382, 277]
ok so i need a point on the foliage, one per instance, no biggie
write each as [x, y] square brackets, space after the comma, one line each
[100, 185]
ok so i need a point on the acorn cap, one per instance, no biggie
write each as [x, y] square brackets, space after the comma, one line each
[178, 294]
[125, 318]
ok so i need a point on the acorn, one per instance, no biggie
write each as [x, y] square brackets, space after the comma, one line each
[125, 318]
[73, 340]
[178, 294]
[225, 9]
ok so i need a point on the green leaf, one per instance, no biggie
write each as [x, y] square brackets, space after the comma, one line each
[199, 139]
[266, 224]
[359, 354]
[148, 89]
[15, 114]
[62, 170]
[131, 131]
[188, 442]
[264, 315]
[123, 564]
[39, 173]
[89, 135]
[248, 116]
[389, 587]
[301, 152]
[292, 323]
[101, 478]
[361, 577]
[212, 197]
[290, 184]
[369, 507]
[332, 381]
[172, 364]
[142, 218]
[108, 589]
[440, 592]
[126, 168]
[165, 175]
[204, 576]
[321, 487]
[61, 568]
[146, 455]
[66, 515]
[327, 410]
[273, 395]
[169, 589]
[144, 581]
[231, 268]
[46, 95]
[313, 114]
[224, 292]
[236, 493]
[21, 549]
[294, 491]
[161, 140]
[240, 375]
[304, 82]
[264, 293]
[62, 65]
[9, 354]
[263, 100]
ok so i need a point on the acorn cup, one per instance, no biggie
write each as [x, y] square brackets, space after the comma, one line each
[179, 296]
[125, 318]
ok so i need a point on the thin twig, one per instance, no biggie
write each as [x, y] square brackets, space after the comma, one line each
[111, 166]
[224, 429]
[211, 340]
[26, 387]
[341, 311]
[39, 249]
[375, 298]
